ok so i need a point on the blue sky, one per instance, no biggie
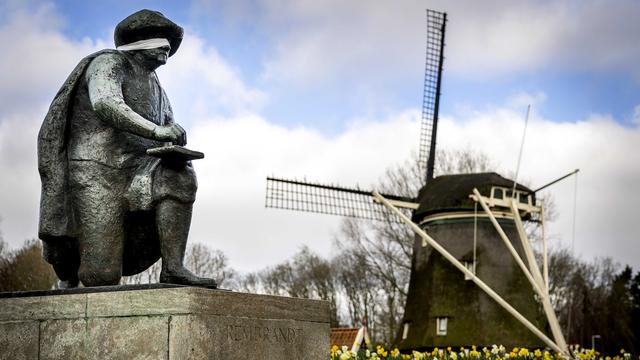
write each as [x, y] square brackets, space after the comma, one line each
[310, 88]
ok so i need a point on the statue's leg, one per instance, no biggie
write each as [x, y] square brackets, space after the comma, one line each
[101, 242]
[99, 214]
[173, 220]
[62, 254]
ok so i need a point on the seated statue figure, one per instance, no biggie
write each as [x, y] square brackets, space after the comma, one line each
[107, 207]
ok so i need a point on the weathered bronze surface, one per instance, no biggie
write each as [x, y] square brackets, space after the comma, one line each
[108, 207]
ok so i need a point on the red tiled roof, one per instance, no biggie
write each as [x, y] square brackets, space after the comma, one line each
[343, 336]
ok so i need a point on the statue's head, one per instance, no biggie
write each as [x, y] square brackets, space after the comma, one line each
[150, 36]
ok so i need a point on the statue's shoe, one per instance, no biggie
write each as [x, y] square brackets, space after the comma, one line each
[187, 278]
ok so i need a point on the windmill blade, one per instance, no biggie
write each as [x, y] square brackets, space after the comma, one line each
[436, 22]
[333, 200]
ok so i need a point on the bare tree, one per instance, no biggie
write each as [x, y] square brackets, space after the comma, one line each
[208, 262]
[463, 161]
[376, 285]
[4, 253]
[249, 283]
[359, 290]
[306, 275]
[149, 276]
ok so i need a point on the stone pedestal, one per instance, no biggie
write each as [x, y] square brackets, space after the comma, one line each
[162, 323]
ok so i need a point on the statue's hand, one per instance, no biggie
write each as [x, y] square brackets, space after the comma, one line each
[172, 132]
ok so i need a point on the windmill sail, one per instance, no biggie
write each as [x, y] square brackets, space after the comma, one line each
[328, 199]
[436, 22]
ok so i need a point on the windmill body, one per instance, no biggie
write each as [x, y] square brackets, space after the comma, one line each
[443, 308]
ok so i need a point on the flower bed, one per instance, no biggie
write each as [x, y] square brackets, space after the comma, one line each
[494, 353]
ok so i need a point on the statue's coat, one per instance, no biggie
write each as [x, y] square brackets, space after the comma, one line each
[56, 215]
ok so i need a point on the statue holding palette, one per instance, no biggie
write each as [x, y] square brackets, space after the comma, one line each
[117, 183]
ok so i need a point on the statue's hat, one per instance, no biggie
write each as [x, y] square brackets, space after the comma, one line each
[148, 24]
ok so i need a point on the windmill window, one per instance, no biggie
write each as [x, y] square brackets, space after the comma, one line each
[524, 199]
[497, 193]
[441, 326]
[509, 194]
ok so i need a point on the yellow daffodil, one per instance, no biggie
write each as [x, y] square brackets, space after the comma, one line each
[493, 353]
[523, 352]
[334, 350]
[537, 353]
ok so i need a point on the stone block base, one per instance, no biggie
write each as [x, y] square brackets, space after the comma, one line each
[162, 323]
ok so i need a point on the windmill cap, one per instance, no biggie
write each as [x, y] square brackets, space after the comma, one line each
[447, 193]
[148, 24]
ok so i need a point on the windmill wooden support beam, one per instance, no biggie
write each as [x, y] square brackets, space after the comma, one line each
[428, 240]
[545, 261]
[532, 272]
[536, 285]
[533, 265]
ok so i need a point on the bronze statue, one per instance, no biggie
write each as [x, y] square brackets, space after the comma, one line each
[117, 186]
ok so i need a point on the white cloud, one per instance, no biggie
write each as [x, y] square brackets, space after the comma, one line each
[636, 115]
[19, 181]
[241, 152]
[36, 58]
[493, 38]
[342, 41]
[363, 41]
[219, 85]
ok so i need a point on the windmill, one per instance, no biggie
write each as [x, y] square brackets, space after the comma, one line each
[463, 224]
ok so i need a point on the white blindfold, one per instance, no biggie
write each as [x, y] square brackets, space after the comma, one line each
[144, 44]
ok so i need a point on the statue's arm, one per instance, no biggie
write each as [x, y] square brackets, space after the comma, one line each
[104, 79]
[168, 118]
[168, 115]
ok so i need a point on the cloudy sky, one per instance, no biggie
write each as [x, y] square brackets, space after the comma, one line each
[331, 91]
